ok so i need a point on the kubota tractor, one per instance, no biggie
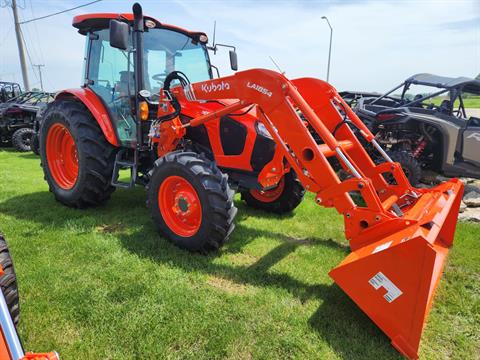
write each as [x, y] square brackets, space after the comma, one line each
[150, 104]
[10, 345]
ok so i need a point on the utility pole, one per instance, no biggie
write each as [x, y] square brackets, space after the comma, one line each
[21, 49]
[330, 47]
[39, 67]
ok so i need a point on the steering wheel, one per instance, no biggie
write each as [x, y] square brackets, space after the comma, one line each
[160, 78]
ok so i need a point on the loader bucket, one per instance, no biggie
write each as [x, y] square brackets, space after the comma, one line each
[393, 280]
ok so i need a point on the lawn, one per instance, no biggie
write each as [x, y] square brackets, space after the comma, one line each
[470, 102]
[101, 284]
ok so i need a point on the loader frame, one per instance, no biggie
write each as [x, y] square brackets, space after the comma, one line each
[399, 235]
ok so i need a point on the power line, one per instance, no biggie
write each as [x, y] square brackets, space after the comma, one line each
[60, 12]
[39, 67]
[7, 34]
[31, 44]
[8, 3]
[36, 32]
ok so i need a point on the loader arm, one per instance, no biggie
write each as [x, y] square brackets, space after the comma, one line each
[399, 235]
[279, 105]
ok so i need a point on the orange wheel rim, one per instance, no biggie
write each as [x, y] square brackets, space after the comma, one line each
[180, 206]
[271, 195]
[62, 157]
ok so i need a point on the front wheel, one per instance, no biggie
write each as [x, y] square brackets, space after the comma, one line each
[191, 202]
[284, 198]
[22, 139]
[410, 166]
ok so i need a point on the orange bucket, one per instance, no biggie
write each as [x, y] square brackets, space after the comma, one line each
[393, 280]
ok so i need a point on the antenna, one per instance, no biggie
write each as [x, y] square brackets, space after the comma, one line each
[276, 65]
[214, 33]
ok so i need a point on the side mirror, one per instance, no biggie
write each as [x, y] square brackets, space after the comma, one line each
[233, 60]
[118, 34]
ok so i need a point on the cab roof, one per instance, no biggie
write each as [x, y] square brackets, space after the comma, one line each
[89, 22]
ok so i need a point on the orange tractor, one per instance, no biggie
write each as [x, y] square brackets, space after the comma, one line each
[150, 104]
[10, 345]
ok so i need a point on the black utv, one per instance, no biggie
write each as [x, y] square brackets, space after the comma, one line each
[17, 117]
[427, 125]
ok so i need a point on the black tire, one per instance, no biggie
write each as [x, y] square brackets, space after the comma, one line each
[22, 139]
[213, 191]
[96, 156]
[35, 144]
[8, 281]
[290, 198]
[411, 167]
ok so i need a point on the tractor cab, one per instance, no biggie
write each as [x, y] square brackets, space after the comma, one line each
[111, 72]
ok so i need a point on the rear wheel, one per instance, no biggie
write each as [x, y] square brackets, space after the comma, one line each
[191, 202]
[35, 145]
[8, 281]
[77, 160]
[282, 199]
[22, 139]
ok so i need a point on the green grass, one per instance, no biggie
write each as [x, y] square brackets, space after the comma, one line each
[101, 284]
[473, 102]
[470, 102]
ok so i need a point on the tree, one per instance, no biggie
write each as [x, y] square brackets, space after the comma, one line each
[478, 77]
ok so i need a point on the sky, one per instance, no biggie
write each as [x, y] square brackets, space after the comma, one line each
[376, 44]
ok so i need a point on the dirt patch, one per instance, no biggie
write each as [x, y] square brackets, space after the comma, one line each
[298, 241]
[110, 228]
[228, 286]
[242, 353]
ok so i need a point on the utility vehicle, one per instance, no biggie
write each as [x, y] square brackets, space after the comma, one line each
[431, 129]
[17, 117]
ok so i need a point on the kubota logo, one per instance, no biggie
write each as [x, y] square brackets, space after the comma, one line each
[215, 87]
[475, 136]
[259, 88]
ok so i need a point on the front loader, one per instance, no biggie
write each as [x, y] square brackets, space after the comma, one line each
[150, 105]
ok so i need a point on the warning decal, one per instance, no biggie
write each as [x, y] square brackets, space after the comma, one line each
[380, 280]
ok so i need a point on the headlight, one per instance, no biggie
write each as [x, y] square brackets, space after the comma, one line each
[262, 130]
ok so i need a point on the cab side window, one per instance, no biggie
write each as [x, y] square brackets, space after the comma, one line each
[112, 79]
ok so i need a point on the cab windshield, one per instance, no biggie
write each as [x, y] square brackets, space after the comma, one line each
[166, 51]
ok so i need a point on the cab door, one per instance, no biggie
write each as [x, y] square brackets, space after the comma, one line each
[111, 77]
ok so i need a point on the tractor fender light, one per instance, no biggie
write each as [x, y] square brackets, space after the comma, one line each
[143, 110]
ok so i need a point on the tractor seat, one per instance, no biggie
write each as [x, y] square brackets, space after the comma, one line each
[126, 81]
[327, 152]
